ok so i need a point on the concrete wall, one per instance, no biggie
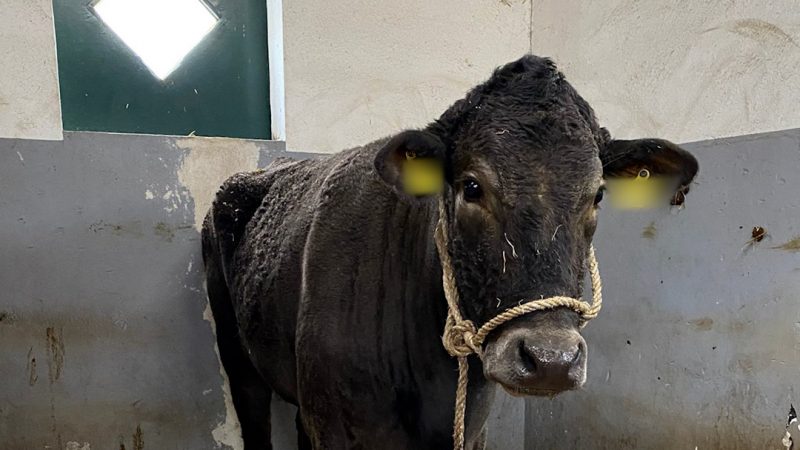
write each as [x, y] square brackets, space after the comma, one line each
[357, 70]
[29, 102]
[106, 339]
[102, 311]
[698, 343]
[105, 335]
[105, 234]
[686, 70]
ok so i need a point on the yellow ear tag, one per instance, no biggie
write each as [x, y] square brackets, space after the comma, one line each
[422, 176]
[644, 191]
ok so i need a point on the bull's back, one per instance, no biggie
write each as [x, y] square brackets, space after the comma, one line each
[260, 222]
[266, 281]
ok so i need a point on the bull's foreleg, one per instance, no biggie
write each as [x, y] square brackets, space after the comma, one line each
[303, 441]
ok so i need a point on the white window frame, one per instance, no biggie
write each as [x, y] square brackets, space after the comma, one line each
[277, 98]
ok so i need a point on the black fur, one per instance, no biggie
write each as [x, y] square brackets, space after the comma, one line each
[330, 275]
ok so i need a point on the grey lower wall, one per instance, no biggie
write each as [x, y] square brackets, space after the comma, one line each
[104, 339]
[698, 343]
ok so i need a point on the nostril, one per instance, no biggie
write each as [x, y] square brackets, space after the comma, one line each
[528, 362]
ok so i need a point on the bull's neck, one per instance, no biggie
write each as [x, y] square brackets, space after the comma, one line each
[414, 307]
[421, 299]
[414, 318]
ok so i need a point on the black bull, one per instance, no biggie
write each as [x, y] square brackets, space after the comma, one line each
[326, 287]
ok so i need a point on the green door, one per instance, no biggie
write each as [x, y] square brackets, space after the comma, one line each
[220, 89]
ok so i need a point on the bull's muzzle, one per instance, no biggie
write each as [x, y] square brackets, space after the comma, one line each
[536, 361]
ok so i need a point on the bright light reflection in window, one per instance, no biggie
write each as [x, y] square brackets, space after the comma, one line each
[160, 32]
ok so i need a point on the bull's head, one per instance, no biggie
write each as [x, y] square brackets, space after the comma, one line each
[524, 161]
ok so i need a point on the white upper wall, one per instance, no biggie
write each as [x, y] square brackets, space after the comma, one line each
[682, 70]
[358, 70]
[30, 107]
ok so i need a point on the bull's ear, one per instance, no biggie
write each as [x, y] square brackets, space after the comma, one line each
[413, 163]
[624, 159]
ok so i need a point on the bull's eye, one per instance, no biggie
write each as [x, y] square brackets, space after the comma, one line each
[599, 196]
[472, 190]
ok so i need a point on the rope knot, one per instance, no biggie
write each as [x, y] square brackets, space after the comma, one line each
[458, 337]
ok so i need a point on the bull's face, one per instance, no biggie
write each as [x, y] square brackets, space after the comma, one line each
[524, 163]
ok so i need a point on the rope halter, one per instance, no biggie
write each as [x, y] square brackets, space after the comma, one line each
[461, 338]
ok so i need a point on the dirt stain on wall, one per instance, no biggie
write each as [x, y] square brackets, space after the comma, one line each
[55, 353]
[31, 368]
[761, 31]
[163, 231]
[702, 324]
[166, 231]
[131, 229]
[793, 245]
[138, 439]
[649, 231]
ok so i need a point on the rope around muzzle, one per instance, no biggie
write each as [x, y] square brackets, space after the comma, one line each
[461, 338]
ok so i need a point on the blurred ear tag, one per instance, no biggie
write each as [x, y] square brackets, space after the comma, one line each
[422, 176]
[644, 191]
